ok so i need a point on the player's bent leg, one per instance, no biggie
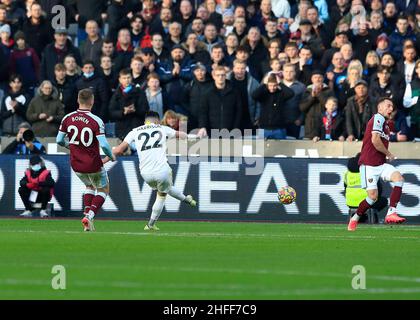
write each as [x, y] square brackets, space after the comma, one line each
[156, 211]
[363, 207]
[397, 182]
[88, 196]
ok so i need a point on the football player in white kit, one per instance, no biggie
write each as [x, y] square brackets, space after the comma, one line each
[150, 142]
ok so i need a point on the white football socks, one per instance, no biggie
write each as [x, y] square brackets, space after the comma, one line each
[391, 210]
[156, 209]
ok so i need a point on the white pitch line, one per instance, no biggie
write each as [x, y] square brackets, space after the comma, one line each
[227, 235]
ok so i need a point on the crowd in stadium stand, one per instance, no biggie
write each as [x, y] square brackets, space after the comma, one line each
[297, 69]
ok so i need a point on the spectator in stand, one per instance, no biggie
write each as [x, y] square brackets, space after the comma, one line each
[221, 106]
[84, 10]
[359, 109]
[336, 73]
[396, 77]
[305, 66]
[38, 185]
[196, 27]
[313, 103]
[362, 42]
[347, 52]
[293, 116]
[210, 36]
[338, 11]
[382, 45]
[371, 65]
[37, 29]
[6, 42]
[174, 120]
[375, 24]
[240, 28]
[128, 105]
[25, 143]
[108, 48]
[174, 74]
[13, 106]
[139, 32]
[245, 84]
[138, 72]
[281, 8]
[161, 24]
[331, 123]
[91, 48]
[195, 91]
[411, 103]
[232, 43]
[406, 65]
[174, 36]
[160, 51]
[108, 74]
[55, 52]
[157, 98]
[292, 52]
[320, 26]
[402, 32]
[274, 46]
[93, 80]
[354, 74]
[149, 59]
[124, 51]
[185, 16]
[311, 40]
[383, 87]
[272, 96]
[67, 92]
[45, 111]
[73, 70]
[25, 62]
[215, 18]
[196, 49]
[218, 58]
[258, 51]
[14, 13]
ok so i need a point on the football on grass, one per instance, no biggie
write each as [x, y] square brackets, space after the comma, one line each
[287, 195]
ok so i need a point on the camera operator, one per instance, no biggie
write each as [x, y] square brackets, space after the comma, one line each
[25, 143]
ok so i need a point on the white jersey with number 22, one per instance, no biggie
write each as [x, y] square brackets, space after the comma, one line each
[150, 141]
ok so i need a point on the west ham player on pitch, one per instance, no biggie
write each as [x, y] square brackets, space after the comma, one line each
[86, 132]
[373, 165]
[150, 141]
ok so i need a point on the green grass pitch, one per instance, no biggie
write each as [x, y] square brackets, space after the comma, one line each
[207, 260]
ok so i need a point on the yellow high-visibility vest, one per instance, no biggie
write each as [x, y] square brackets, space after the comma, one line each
[354, 192]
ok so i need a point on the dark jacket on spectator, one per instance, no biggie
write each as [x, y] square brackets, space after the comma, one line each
[67, 94]
[88, 10]
[313, 107]
[117, 18]
[50, 105]
[10, 120]
[125, 123]
[91, 51]
[100, 91]
[256, 56]
[38, 36]
[19, 147]
[390, 91]
[272, 105]
[52, 56]
[4, 67]
[195, 92]
[174, 85]
[355, 122]
[25, 63]
[221, 109]
[122, 58]
[396, 40]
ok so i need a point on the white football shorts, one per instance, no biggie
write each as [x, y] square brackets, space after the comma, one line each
[370, 175]
[96, 180]
[160, 181]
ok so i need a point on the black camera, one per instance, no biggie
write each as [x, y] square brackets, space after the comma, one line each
[28, 136]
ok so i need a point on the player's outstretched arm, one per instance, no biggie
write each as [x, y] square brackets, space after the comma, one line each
[105, 147]
[60, 139]
[120, 149]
